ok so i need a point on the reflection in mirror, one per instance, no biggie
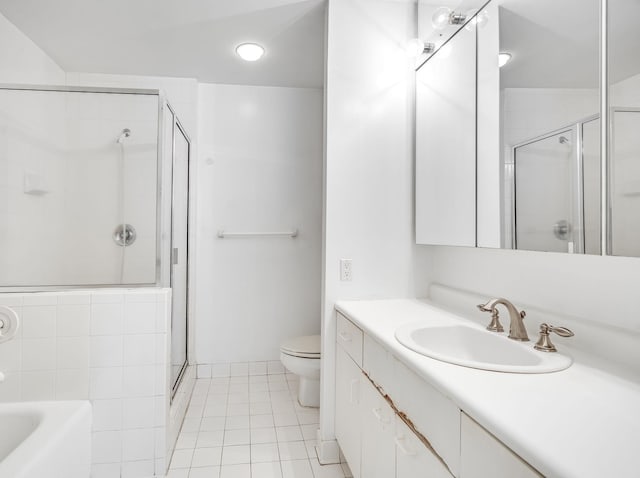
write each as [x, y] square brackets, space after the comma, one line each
[548, 136]
[439, 20]
[445, 144]
[624, 141]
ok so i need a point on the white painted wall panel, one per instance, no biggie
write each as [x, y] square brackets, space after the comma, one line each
[259, 169]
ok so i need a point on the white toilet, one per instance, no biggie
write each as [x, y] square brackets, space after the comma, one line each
[301, 356]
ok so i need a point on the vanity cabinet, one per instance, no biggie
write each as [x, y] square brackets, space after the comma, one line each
[392, 423]
[413, 458]
[378, 434]
[373, 438]
[348, 417]
[483, 455]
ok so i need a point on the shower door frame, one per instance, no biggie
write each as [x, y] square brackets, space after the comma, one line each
[578, 168]
[177, 124]
[159, 154]
[610, 172]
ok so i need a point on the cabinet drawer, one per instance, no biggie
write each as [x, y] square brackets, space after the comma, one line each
[435, 416]
[484, 455]
[350, 338]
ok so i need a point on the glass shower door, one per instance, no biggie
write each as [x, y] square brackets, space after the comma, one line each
[545, 212]
[179, 255]
[624, 226]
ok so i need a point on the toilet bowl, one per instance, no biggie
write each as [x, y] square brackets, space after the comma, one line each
[301, 356]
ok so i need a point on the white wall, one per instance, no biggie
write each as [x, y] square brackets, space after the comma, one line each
[369, 169]
[593, 288]
[22, 61]
[531, 112]
[259, 169]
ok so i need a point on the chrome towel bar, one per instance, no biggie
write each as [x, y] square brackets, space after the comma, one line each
[291, 234]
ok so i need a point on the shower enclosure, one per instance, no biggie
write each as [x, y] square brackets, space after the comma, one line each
[94, 193]
[556, 190]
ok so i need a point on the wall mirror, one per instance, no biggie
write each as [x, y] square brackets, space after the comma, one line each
[623, 219]
[515, 162]
[549, 129]
[446, 95]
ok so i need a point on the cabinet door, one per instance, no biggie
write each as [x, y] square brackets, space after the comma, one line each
[348, 422]
[433, 414]
[378, 434]
[413, 458]
[482, 455]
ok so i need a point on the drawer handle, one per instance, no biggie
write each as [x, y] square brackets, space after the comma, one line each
[377, 413]
[345, 337]
[401, 446]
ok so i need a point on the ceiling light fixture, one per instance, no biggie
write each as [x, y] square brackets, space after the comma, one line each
[250, 51]
[503, 59]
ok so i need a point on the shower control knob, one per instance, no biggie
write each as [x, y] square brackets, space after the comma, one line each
[562, 229]
[124, 235]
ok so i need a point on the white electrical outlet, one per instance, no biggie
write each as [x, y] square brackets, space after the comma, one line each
[345, 270]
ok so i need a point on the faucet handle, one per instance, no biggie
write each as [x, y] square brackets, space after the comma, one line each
[484, 308]
[544, 342]
[495, 325]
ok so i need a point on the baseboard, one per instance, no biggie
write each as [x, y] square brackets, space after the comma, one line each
[328, 451]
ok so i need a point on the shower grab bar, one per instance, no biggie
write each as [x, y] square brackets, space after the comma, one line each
[291, 234]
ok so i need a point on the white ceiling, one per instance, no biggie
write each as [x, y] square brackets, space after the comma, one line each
[555, 44]
[181, 38]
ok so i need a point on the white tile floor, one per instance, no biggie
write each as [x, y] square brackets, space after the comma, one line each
[248, 427]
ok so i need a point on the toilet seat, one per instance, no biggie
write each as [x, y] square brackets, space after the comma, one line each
[307, 346]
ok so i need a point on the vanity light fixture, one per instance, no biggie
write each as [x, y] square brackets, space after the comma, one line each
[444, 16]
[250, 51]
[503, 59]
[416, 47]
[478, 19]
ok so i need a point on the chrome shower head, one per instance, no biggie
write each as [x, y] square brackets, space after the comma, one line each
[564, 140]
[125, 134]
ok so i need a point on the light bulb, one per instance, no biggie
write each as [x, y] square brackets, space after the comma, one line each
[480, 19]
[503, 59]
[250, 51]
[414, 47]
[440, 17]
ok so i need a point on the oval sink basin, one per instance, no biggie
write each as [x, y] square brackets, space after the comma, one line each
[477, 348]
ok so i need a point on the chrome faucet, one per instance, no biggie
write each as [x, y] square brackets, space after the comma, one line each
[517, 330]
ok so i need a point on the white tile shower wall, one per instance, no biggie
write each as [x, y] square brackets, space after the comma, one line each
[182, 93]
[110, 347]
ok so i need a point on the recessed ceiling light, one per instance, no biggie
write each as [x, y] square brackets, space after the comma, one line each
[503, 59]
[250, 51]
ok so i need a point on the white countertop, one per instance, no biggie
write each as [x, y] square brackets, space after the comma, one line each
[580, 422]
